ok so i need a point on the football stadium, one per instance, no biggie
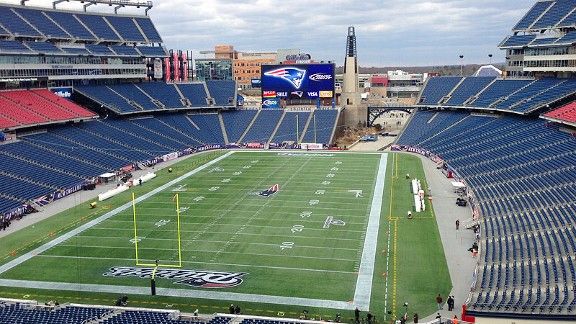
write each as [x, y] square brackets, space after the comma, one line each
[134, 191]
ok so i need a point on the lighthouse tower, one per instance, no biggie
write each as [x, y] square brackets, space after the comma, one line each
[354, 112]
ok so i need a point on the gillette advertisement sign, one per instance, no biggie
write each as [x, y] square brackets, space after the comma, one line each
[298, 81]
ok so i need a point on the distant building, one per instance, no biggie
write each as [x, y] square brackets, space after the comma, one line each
[247, 67]
[403, 84]
[213, 69]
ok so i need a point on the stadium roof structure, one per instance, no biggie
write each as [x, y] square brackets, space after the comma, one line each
[548, 23]
[488, 71]
[116, 3]
[548, 15]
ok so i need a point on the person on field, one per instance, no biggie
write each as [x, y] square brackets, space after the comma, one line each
[457, 224]
[357, 315]
[231, 309]
[439, 301]
[415, 318]
[455, 320]
[450, 302]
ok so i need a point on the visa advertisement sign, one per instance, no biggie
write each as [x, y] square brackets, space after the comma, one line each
[298, 81]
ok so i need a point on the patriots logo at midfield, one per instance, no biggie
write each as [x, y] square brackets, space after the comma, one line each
[270, 191]
[290, 74]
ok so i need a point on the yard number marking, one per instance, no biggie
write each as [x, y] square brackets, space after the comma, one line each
[306, 214]
[286, 245]
[161, 223]
[297, 228]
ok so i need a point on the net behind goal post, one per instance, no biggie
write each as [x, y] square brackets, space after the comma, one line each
[157, 262]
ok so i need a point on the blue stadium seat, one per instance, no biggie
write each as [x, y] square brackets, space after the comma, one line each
[127, 28]
[163, 92]
[223, 92]
[99, 49]
[521, 174]
[292, 126]
[321, 126]
[437, 88]
[42, 23]
[554, 14]
[124, 50]
[236, 122]
[534, 13]
[7, 46]
[149, 29]
[15, 25]
[152, 51]
[467, 88]
[195, 92]
[72, 25]
[99, 27]
[262, 128]
[43, 47]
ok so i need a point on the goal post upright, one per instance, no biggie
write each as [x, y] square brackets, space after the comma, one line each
[178, 229]
[179, 238]
[135, 228]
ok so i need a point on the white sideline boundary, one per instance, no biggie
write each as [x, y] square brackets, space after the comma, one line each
[363, 291]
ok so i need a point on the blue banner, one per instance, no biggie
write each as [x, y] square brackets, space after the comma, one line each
[256, 83]
[299, 81]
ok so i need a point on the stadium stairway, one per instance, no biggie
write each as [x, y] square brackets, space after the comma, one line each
[155, 101]
[305, 129]
[141, 135]
[241, 139]
[333, 133]
[115, 141]
[448, 96]
[277, 126]
[223, 128]
[145, 133]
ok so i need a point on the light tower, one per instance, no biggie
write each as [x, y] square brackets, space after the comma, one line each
[351, 94]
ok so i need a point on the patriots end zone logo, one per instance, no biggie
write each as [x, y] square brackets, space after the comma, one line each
[193, 278]
[290, 74]
[270, 191]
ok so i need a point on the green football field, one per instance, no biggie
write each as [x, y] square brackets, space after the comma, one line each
[274, 231]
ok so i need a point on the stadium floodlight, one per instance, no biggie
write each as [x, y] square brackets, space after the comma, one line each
[116, 3]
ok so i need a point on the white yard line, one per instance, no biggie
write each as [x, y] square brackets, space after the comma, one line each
[203, 241]
[202, 262]
[43, 248]
[214, 252]
[363, 291]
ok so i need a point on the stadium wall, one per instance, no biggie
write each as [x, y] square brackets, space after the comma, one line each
[491, 320]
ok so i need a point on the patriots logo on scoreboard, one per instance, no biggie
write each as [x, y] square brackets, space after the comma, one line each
[270, 191]
[290, 74]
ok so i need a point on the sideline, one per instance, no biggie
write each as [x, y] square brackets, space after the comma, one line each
[363, 291]
[172, 292]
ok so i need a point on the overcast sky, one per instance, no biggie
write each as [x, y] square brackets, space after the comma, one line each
[389, 32]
